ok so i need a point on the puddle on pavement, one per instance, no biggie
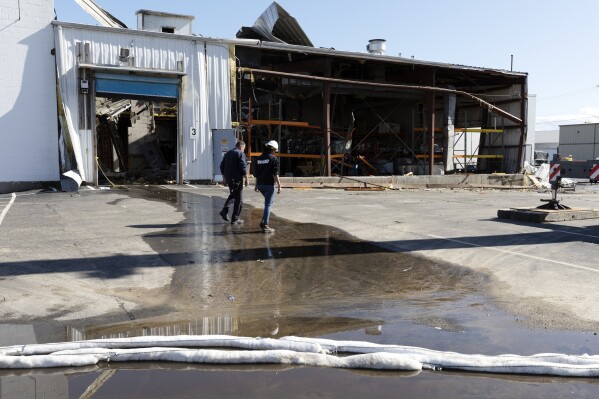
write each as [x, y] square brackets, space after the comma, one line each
[315, 281]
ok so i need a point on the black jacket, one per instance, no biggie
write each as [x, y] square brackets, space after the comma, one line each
[267, 166]
[234, 165]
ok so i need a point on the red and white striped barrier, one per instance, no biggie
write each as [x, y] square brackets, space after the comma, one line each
[594, 173]
[554, 172]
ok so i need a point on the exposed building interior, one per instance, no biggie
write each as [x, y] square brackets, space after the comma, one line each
[136, 139]
[372, 114]
[332, 112]
[378, 114]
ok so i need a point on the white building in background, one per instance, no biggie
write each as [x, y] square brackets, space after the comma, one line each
[530, 145]
[547, 141]
[28, 123]
[580, 140]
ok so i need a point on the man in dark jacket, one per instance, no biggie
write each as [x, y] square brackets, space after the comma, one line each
[234, 168]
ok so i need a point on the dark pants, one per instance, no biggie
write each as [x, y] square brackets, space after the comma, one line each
[235, 195]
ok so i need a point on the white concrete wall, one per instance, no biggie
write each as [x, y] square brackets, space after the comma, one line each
[28, 122]
[531, 131]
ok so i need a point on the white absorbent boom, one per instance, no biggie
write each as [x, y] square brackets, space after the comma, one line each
[224, 349]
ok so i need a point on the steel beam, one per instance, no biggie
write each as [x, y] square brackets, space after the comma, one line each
[480, 101]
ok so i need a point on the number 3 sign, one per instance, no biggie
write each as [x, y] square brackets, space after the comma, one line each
[193, 133]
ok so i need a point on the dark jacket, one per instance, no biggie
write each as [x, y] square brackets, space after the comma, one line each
[267, 166]
[234, 165]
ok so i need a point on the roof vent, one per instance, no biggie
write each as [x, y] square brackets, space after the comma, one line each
[376, 46]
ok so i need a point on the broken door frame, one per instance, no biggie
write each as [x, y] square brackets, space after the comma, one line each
[149, 73]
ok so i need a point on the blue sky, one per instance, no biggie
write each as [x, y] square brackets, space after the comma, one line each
[555, 42]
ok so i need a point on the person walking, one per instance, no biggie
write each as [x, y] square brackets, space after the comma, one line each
[267, 174]
[234, 168]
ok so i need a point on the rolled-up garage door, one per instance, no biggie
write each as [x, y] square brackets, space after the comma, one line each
[136, 86]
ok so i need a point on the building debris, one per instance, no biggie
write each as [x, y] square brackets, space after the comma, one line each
[70, 181]
[276, 25]
[99, 14]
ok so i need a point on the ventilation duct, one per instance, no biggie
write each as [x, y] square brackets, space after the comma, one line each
[376, 46]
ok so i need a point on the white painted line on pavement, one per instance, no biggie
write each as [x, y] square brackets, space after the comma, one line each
[516, 253]
[7, 207]
[170, 187]
[26, 194]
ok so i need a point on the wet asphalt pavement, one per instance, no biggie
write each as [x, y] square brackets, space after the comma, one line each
[306, 280]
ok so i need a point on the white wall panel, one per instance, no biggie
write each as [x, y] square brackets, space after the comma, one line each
[197, 154]
[28, 128]
[219, 85]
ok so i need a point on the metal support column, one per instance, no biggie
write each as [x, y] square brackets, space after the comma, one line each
[326, 111]
[249, 143]
[431, 125]
[523, 119]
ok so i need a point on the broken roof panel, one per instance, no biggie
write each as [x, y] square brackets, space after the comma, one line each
[276, 25]
[100, 15]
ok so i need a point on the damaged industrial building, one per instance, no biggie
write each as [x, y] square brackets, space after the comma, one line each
[162, 104]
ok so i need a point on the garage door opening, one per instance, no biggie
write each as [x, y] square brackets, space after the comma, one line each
[136, 129]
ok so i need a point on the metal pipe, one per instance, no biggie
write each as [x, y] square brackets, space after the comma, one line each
[249, 143]
[431, 137]
[298, 76]
[431, 125]
[326, 109]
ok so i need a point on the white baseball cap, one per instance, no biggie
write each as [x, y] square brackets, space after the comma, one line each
[273, 144]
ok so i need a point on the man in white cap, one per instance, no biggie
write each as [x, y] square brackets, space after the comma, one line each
[267, 174]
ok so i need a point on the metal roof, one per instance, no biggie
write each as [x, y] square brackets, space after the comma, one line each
[375, 57]
[276, 25]
[254, 43]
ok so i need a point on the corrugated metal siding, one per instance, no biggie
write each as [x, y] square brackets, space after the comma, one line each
[67, 72]
[197, 154]
[510, 136]
[151, 52]
[579, 152]
[219, 85]
[577, 134]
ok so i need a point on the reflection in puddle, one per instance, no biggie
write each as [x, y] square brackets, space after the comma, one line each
[227, 325]
[219, 325]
